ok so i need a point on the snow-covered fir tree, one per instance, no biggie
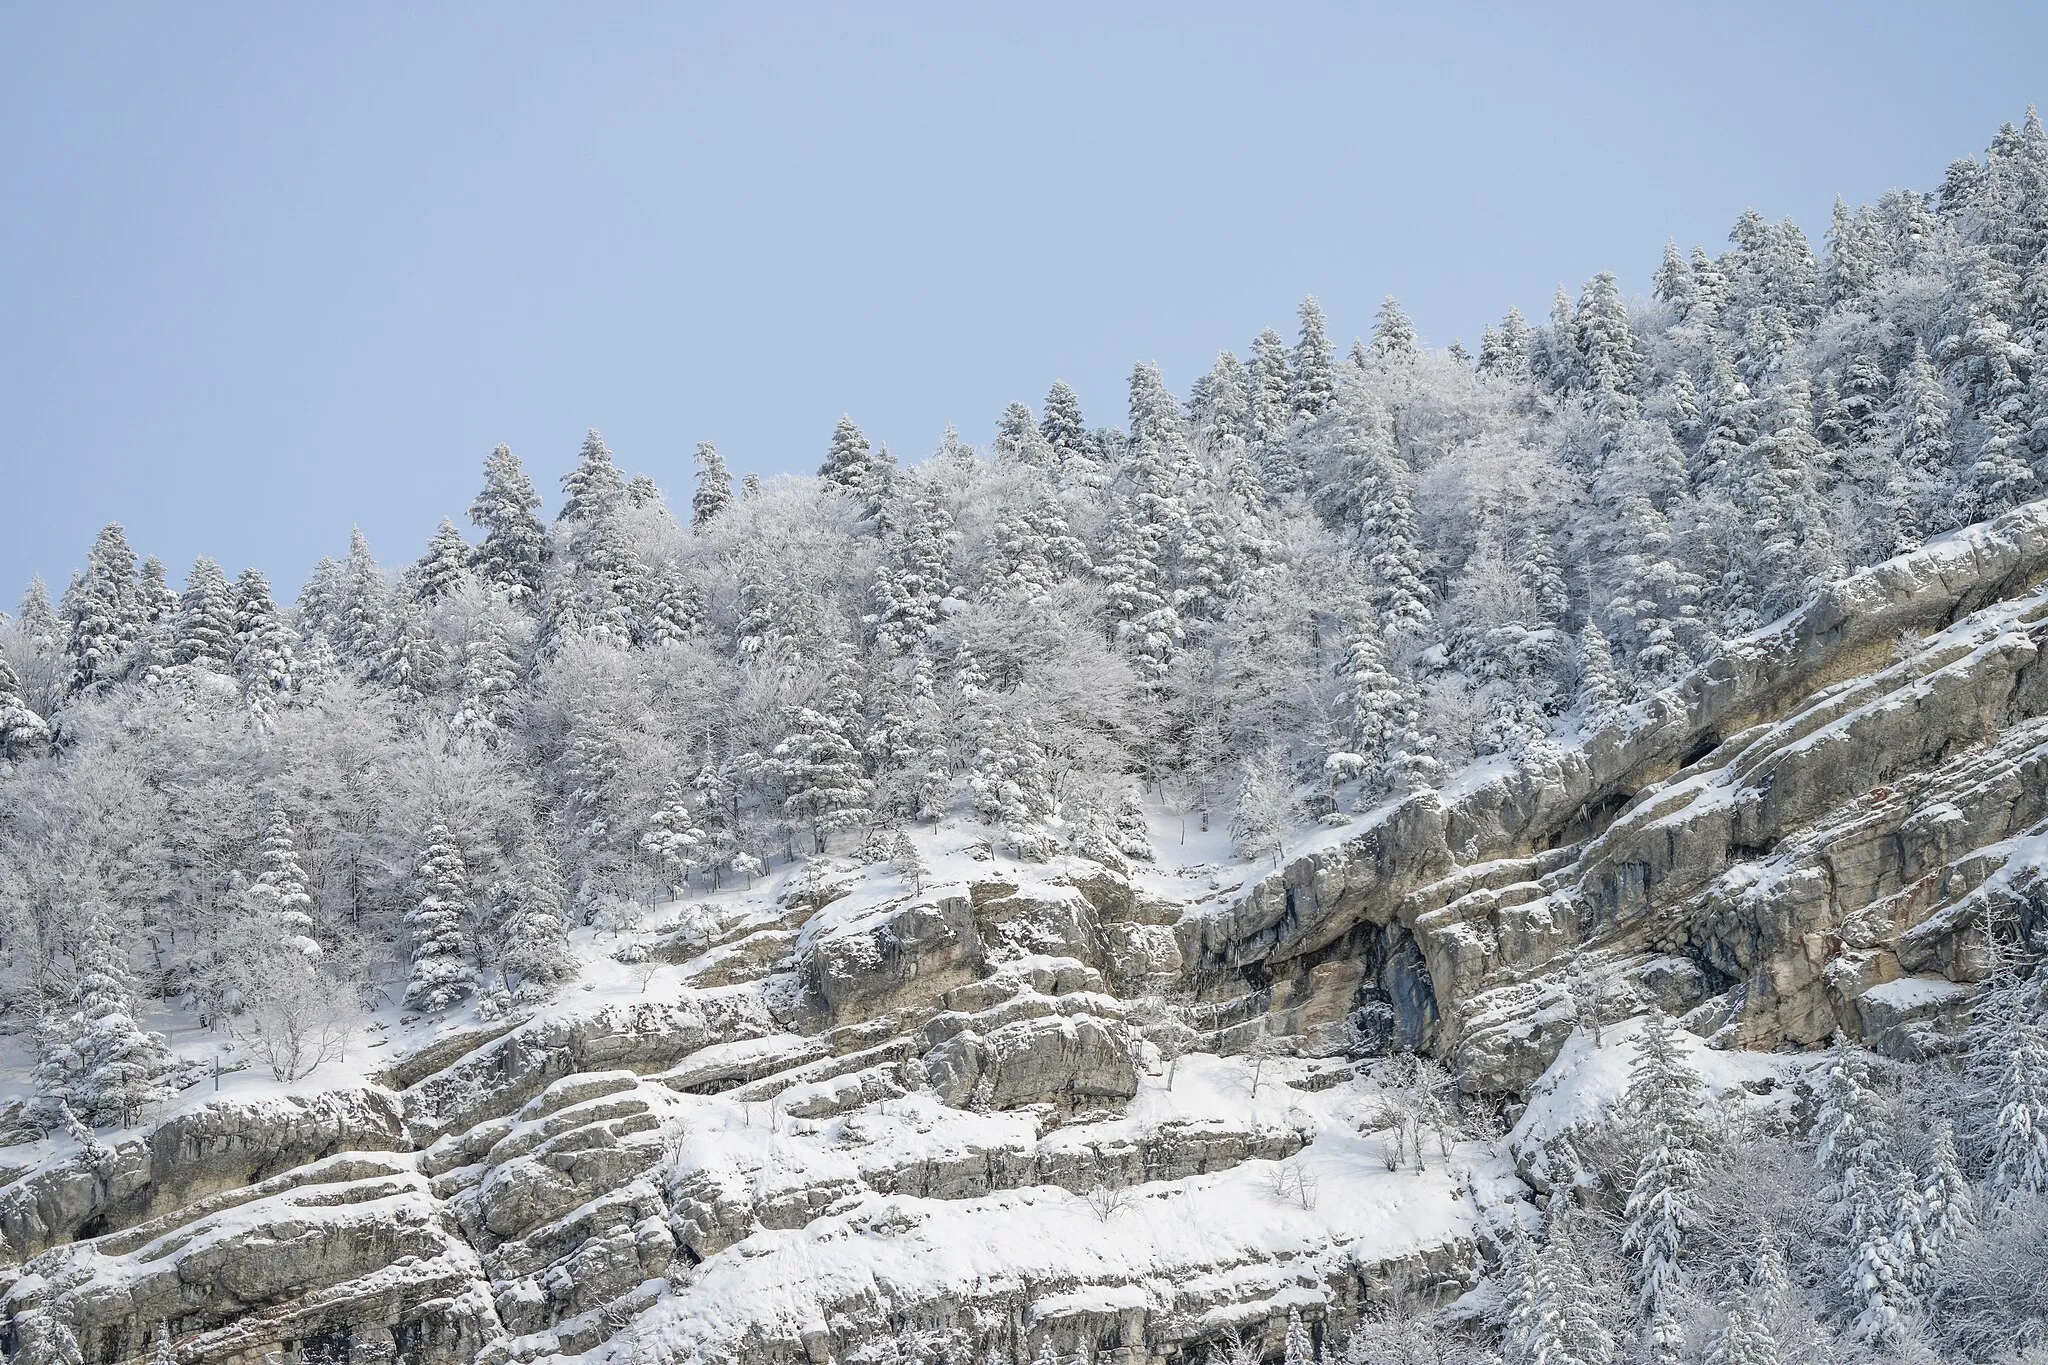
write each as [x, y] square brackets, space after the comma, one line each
[265, 644]
[1312, 384]
[594, 488]
[103, 611]
[22, 730]
[1297, 1348]
[714, 485]
[278, 896]
[1393, 337]
[1663, 1099]
[442, 570]
[206, 619]
[442, 961]
[514, 553]
[95, 1059]
[1551, 1319]
[524, 915]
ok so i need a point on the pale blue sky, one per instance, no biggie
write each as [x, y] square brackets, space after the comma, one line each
[267, 270]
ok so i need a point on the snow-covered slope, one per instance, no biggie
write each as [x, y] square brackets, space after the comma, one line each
[1121, 1112]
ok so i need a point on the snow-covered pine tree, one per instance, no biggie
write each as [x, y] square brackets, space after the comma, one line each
[1155, 417]
[642, 491]
[1503, 628]
[1878, 1281]
[1386, 526]
[673, 836]
[22, 730]
[1684, 412]
[361, 608]
[1554, 356]
[265, 659]
[905, 863]
[1206, 565]
[1393, 337]
[1259, 807]
[1297, 1348]
[1849, 277]
[1032, 552]
[855, 468]
[1130, 566]
[484, 707]
[1673, 283]
[34, 645]
[1223, 409]
[444, 568]
[442, 972]
[714, 486]
[407, 666]
[95, 1058]
[1921, 491]
[1601, 690]
[1732, 423]
[2035, 411]
[1977, 352]
[1009, 782]
[1504, 350]
[1019, 439]
[1864, 393]
[523, 909]
[2000, 477]
[595, 488]
[1787, 548]
[1789, 275]
[1850, 1147]
[37, 620]
[826, 789]
[2008, 1069]
[1745, 1337]
[278, 896]
[1947, 1207]
[1608, 356]
[1386, 725]
[319, 665]
[674, 611]
[1272, 406]
[716, 799]
[1662, 1103]
[1313, 382]
[1550, 1315]
[206, 619]
[513, 557]
[1710, 288]
[917, 576]
[1827, 401]
[1066, 435]
[158, 607]
[104, 612]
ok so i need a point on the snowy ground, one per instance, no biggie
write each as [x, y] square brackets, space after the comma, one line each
[1231, 1240]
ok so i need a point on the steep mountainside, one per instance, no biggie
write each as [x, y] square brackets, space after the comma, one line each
[1101, 1110]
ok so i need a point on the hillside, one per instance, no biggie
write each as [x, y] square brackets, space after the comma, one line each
[1418, 856]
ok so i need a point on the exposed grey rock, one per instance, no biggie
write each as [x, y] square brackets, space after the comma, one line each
[645, 1037]
[225, 1145]
[1071, 1063]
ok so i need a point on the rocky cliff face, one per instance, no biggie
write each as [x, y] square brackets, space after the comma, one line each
[1077, 1104]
